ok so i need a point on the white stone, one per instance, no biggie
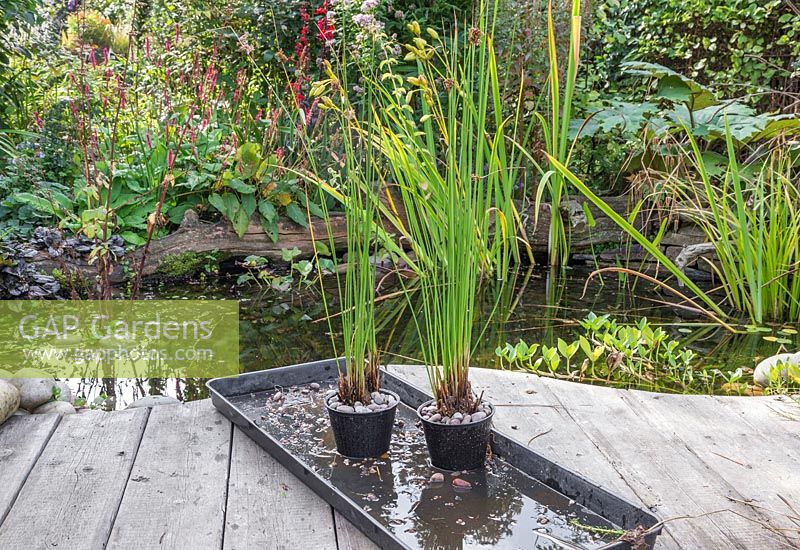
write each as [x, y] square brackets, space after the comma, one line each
[34, 391]
[55, 407]
[763, 372]
[9, 400]
[478, 416]
[377, 398]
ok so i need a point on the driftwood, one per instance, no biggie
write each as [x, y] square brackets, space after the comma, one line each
[196, 236]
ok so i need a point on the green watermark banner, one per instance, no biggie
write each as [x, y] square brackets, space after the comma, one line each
[119, 338]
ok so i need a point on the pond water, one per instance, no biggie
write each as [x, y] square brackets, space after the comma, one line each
[284, 328]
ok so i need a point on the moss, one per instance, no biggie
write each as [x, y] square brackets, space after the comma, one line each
[187, 264]
[59, 276]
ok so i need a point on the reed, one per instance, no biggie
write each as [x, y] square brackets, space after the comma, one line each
[555, 131]
[443, 143]
[751, 214]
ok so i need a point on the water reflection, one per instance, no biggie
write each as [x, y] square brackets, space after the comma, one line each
[278, 329]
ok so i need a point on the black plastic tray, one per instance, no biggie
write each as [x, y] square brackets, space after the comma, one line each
[570, 484]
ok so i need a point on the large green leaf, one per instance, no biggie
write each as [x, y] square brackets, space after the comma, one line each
[244, 188]
[231, 205]
[673, 85]
[296, 214]
[269, 219]
[267, 210]
[249, 204]
[217, 202]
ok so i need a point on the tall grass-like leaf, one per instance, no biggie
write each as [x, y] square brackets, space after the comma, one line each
[646, 243]
[556, 130]
[754, 226]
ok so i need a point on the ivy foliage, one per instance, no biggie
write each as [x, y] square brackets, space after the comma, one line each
[738, 46]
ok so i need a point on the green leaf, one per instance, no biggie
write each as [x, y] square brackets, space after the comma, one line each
[240, 222]
[590, 221]
[303, 267]
[289, 254]
[673, 85]
[238, 185]
[322, 248]
[296, 214]
[314, 209]
[674, 89]
[132, 238]
[270, 226]
[217, 202]
[231, 205]
[267, 210]
[248, 158]
[249, 204]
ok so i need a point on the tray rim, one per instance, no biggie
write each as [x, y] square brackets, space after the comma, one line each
[503, 445]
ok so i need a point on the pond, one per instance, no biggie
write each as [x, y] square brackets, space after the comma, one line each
[284, 328]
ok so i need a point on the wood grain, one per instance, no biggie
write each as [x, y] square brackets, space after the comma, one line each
[72, 493]
[268, 507]
[175, 496]
[22, 440]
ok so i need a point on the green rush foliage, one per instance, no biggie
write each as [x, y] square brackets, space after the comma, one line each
[754, 223]
[441, 144]
[556, 131]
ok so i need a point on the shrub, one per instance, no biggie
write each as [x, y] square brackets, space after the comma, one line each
[740, 46]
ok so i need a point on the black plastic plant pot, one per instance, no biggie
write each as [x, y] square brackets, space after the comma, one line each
[363, 435]
[457, 447]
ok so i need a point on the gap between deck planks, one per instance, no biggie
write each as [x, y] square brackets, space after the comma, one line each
[181, 476]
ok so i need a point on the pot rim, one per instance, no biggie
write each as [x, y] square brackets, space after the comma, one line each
[454, 426]
[371, 413]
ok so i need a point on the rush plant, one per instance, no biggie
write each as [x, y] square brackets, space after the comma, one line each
[358, 291]
[555, 131]
[440, 145]
[751, 214]
[449, 161]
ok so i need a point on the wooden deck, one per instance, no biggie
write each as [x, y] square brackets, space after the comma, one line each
[182, 477]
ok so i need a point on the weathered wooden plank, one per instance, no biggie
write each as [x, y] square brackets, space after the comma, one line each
[757, 473]
[22, 439]
[665, 474]
[73, 492]
[541, 416]
[268, 507]
[348, 537]
[773, 421]
[175, 496]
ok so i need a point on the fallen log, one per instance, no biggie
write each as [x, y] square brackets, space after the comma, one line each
[195, 236]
